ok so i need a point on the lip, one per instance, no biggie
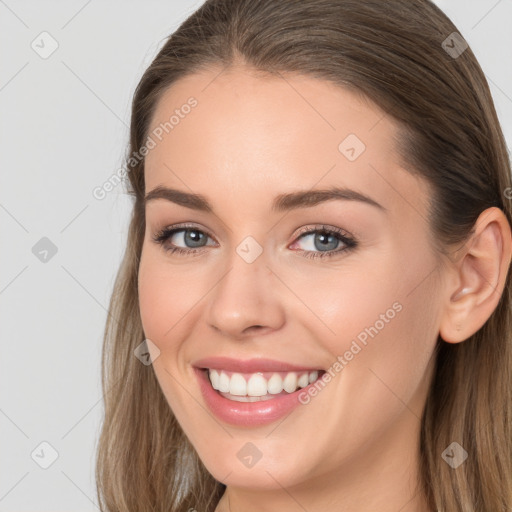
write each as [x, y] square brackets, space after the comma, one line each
[249, 365]
[247, 414]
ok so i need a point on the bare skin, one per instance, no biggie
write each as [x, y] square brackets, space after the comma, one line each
[354, 447]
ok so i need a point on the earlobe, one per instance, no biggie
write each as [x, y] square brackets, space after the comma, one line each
[479, 277]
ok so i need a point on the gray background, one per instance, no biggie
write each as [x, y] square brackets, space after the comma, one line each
[64, 125]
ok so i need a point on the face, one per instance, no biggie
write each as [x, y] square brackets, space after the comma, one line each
[342, 284]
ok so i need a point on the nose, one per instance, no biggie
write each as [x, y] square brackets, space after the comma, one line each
[246, 300]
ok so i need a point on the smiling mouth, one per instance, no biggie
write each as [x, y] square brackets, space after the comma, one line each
[259, 386]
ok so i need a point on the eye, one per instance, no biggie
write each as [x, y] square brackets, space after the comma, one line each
[323, 241]
[193, 238]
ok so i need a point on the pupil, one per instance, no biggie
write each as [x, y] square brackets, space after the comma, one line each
[324, 237]
[194, 236]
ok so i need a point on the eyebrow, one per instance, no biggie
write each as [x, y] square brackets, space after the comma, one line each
[281, 203]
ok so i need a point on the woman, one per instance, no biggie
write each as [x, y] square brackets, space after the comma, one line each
[317, 269]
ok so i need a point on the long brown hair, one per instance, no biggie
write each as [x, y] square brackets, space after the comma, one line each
[399, 54]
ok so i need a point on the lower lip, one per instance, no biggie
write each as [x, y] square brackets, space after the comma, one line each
[247, 414]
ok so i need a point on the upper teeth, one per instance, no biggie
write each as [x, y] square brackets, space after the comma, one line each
[257, 384]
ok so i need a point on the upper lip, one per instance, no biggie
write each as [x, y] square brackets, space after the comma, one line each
[249, 365]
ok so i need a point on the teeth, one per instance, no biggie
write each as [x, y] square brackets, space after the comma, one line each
[224, 382]
[238, 385]
[303, 380]
[290, 382]
[257, 385]
[275, 384]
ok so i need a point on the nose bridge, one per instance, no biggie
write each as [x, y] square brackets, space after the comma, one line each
[245, 295]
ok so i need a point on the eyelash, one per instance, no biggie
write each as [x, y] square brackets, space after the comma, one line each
[350, 243]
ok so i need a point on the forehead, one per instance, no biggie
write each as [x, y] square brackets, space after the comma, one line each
[258, 135]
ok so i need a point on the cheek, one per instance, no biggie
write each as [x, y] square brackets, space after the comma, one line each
[152, 300]
[380, 315]
[343, 302]
[170, 298]
[162, 298]
[383, 336]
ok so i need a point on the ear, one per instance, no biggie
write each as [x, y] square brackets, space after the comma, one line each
[478, 277]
